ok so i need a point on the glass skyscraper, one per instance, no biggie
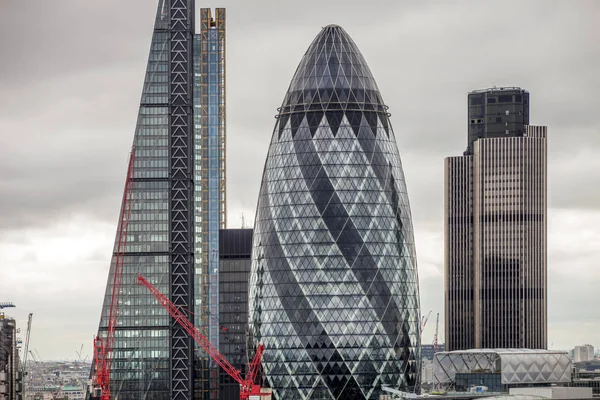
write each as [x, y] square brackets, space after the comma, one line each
[177, 209]
[235, 251]
[334, 288]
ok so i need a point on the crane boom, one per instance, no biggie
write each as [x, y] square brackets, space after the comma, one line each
[424, 320]
[103, 348]
[26, 349]
[6, 304]
[247, 384]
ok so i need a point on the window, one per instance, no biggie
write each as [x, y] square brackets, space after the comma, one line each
[491, 100]
[505, 98]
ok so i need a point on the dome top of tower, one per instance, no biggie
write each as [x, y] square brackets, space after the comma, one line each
[332, 71]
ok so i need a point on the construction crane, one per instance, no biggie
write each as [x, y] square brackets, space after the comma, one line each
[33, 356]
[79, 353]
[435, 336]
[103, 348]
[37, 354]
[247, 386]
[6, 304]
[58, 392]
[424, 320]
[26, 349]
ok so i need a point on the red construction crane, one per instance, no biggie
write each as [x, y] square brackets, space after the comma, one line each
[103, 348]
[248, 388]
[58, 392]
[435, 336]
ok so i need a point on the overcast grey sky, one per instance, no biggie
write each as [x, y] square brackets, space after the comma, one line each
[71, 74]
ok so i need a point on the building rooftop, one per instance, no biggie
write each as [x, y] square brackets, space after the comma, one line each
[498, 89]
[505, 351]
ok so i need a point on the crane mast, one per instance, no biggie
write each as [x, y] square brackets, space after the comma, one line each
[247, 386]
[435, 336]
[103, 348]
[26, 349]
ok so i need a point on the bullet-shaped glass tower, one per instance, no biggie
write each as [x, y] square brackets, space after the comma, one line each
[334, 288]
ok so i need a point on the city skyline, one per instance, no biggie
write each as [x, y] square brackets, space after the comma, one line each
[60, 241]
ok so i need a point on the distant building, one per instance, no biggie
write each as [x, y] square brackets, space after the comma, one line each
[426, 372]
[495, 228]
[427, 352]
[583, 353]
[11, 385]
[235, 251]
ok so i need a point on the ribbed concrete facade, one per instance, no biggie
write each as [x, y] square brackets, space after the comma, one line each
[495, 231]
[459, 253]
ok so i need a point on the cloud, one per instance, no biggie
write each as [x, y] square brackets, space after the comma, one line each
[71, 79]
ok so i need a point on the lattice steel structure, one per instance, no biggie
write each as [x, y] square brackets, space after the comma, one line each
[172, 216]
[334, 289]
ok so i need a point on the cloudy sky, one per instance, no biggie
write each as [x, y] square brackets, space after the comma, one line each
[71, 74]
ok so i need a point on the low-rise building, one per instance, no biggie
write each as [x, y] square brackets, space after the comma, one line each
[501, 369]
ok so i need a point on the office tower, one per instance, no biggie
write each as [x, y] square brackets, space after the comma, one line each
[495, 228]
[177, 206]
[209, 117]
[334, 290]
[428, 350]
[583, 353]
[235, 251]
[11, 377]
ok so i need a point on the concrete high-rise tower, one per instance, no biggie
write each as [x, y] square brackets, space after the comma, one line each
[177, 208]
[495, 228]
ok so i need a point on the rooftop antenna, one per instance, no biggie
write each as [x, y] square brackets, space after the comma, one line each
[243, 221]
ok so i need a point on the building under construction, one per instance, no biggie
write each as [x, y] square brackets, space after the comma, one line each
[168, 228]
[11, 377]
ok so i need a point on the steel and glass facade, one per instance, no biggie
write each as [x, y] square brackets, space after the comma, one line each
[235, 251]
[496, 232]
[210, 185]
[334, 288]
[177, 209]
[514, 366]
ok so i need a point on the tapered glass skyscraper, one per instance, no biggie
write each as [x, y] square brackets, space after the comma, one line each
[334, 288]
[177, 208]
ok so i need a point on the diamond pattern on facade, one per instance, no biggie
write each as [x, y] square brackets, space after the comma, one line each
[334, 287]
[516, 366]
